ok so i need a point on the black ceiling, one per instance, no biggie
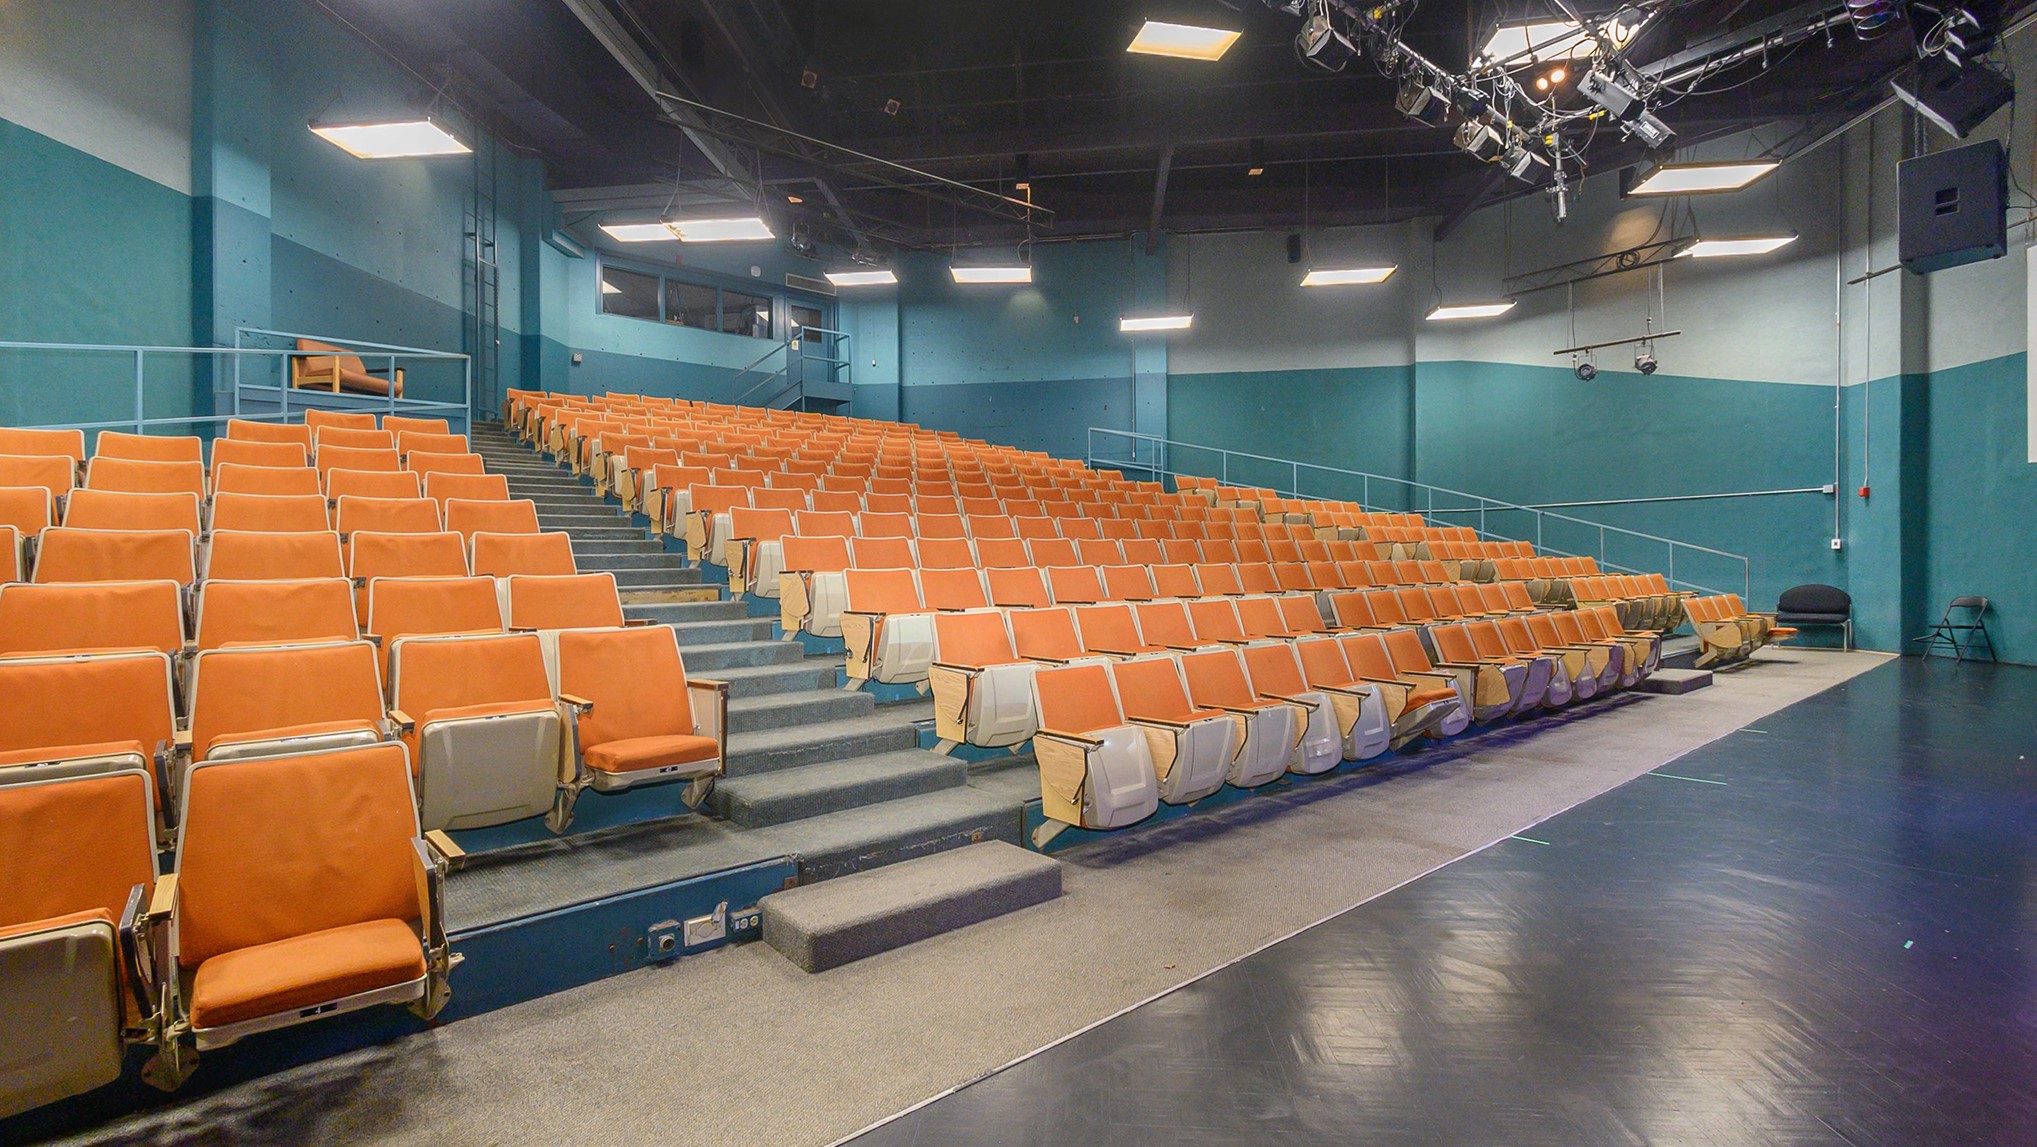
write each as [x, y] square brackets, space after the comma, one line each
[978, 84]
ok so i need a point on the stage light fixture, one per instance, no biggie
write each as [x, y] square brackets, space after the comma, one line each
[861, 277]
[1445, 313]
[1585, 370]
[1725, 248]
[1135, 325]
[1700, 178]
[396, 139]
[1346, 276]
[1423, 103]
[1321, 46]
[1645, 361]
[1523, 164]
[1182, 41]
[1627, 108]
[1481, 140]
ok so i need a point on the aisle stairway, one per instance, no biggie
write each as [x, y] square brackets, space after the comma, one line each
[816, 773]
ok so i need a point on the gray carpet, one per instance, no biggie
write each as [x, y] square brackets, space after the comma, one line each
[740, 1047]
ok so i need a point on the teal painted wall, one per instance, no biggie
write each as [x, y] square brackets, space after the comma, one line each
[1982, 491]
[1358, 418]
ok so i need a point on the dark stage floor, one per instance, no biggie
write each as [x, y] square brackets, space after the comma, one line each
[1818, 930]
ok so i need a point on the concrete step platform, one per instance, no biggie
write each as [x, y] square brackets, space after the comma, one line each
[656, 576]
[649, 558]
[614, 531]
[1676, 682]
[827, 925]
[669, 593]
[606, 547]
[717, 632]
[816, 790]
[769, 750]
[796, 710]
[712, 660]
[764, 680]
[681, 613]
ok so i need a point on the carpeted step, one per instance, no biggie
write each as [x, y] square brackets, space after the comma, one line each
[606, 547]
[718, 632]
[827, 925]
[685, 612]
[649, 559]
[816, 790]
[789, 710]
[768, 750]
[673, 577]
[615, 531]
[800, 676]
[717, 660]
[1675, 682]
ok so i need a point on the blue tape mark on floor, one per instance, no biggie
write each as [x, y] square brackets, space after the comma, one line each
[1692, 780]
[1529, 839]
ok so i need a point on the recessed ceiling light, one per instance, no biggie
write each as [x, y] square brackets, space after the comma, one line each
[1343, 276]
[1697, 178]
[1156, 323]
[794, 199]
[867, 278]
[1470, 311]
[721, 230]
[1016, 274]
[639, 232]
[401, 139]
[1720, 248]
[1185, 41]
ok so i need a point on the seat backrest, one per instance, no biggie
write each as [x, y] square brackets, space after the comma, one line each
[244, 555]
[400, 606]
[417, 441]
[1017, 587]
[1408, 652]
[386, 515]
[882, 591]
[1814, 598]
[1565, 623]
[817, 552]
[635, 678]
[256, 864]
[234, 478]
[467, 518]
[1352, 609]
[295, 433]
[1519, 639]
[1215, 619]
[881, 553]
[429, 675]
[1300, 614]
[1165, 623]
[1543, 627]
[1047, 633]
[148, 447]
[779, 498]
[257, 688]
[1453, 644]
[952, 589]
[1053, 552]
[316, 420]
[1260, 617]
[372, 555]
[766, 524]
[353, 438]
[972, 638]
[52, 473]
[570, 601]
[1276, 669]
[275, 612]
[270, 513]
[143, 477]
[76, 844]
[1323, 664]
[1001, 553]
[1176, 581]
[373, 483]
[1099, 552]
[1074, 584]
[945, 553]
[1077, 699]
[29, 443]
[1219, 580]
[1108, 628]
[1127, 583]
[24, 512]
[982, 526]
[116, 510]
[718, 499]
[115, 555]
[400, 424]
[499, 555]
[54, 702]
[819, 523]
[426, 462]
[1366, 655]
[96, 616]
[1487, 640]
[1216, 679]
[356, 458]
[1151, 688]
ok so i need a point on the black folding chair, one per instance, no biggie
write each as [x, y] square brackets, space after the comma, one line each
[1958, 636]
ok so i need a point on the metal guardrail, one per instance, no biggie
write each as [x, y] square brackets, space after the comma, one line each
[1491, 518]
[832, 360]
[237, 356]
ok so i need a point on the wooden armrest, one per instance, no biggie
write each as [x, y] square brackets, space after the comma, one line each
[1302, 701]
[445, 847]
[1160, 722]
[181, 740]
[1072, 738]
[952, 667]
[163, 903]
[581, 704]
[404, 722]
[696, 683]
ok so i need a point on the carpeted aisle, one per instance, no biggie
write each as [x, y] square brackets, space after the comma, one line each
[740, 1047]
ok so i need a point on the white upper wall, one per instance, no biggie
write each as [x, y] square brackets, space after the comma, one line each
[1251, 313]
[111, 78]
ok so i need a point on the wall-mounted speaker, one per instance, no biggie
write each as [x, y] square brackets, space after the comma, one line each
[1952, 207]
[1294, 247]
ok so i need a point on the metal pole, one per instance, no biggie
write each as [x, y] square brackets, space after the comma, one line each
[392, 386]
[138, 419]
[236, 375]
[283, 390]
[1672, 565]
[1365, 491]
[1294, 478]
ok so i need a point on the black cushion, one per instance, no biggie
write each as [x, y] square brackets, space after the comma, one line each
[1827, 600]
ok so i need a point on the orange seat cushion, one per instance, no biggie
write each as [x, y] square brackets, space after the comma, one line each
[1421, 697]
[311, 729]
[634, 753]
[75, 752]
[303, 971]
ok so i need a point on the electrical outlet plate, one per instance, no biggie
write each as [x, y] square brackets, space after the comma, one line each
[1838, 544]
[708, 929]
[746, 925]
[662, 939]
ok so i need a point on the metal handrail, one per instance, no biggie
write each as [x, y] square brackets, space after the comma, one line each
[785, 372]
[1156, 464]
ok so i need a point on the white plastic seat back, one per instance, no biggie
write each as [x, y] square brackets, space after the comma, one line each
[1000, 709]
[1120, 788]
[827, 593]
[767, 561]
[1203, 751]
[1270, 744]
[57, 999]
[480, 771]
[905, 648]
[1322, 743]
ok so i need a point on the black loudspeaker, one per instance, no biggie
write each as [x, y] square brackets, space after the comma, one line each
[1952, 207]
[1294, 250]
[1957, 99]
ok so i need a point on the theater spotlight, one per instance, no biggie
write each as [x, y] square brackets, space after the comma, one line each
[1481, 140]
[1645, 361]
[1627, 108]
[1423, 103]
[1320, 45]
[1586, 370]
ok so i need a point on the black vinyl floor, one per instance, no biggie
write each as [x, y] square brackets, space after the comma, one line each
[1819, 930]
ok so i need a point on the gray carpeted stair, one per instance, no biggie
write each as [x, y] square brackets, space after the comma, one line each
[832, 924]
[793, 794]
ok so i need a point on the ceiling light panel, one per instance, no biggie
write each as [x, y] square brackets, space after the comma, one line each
[1470, 311]
[748, 227]
[1345, 276]
[402, 139]
[864, 278]
[639, 232]
[1182, 41]
[1698, 178]
[1020, 274]
[1725, 248]
[1155, 323]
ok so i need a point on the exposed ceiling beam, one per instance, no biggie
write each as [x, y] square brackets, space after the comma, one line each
[650, 77]
[1159, 199]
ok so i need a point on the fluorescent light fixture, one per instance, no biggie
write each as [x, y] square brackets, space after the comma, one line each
[1470, 311]
[401, 139]
[1720, 248]
[1185, 41]
[873, 278]
[1017, 274]
[608, 288]
[721, 230]
[1348, 275]
[639, 232]
[1697, 178]
[1156, 323]
[1533, 41]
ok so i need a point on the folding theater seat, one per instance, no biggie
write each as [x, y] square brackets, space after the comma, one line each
[1019, 587]
[25, 512]
[1216, 622]
[1047, 634]
[55, 475]
[953, 589]
[1605, 659]
[637, 717]
[410, 442]
[1358, 707]
[115, 510]
[148, 447]
[242, 555]
[410, 605]
[667, 497]
[139, 477]
[1722, 637]
[1761, 627]
[235, 478]
[1271, 730]
[1193, 750]
[1096, 770]
[68, 445]
[1418, 700]
[400, 424]
[1219, 580]
[270, 513]
[708, 520]
[1589, 668]
[631, 474]
[500, 555]
[246, 430]
[275, 612]
[1166, 624]
[77, 934]
[373, 483]
[467, 518]
[365, 438]
[329, 458]
[1075, 585]
[573, 601]
[84, 714]
[442, 487]
[1519, 642]
[1128, 583]
[886, 626]
[982, 688]
[1170, 581]
[92, 617]
[268, 700]
[353, 514]
[755, 553]
[1112, 630]
[1260, 619]
[284, 915]
[1644, 649]
[67, 555]
[1498, 685]
[810, 586]
[483, 727]
[1275, 674]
